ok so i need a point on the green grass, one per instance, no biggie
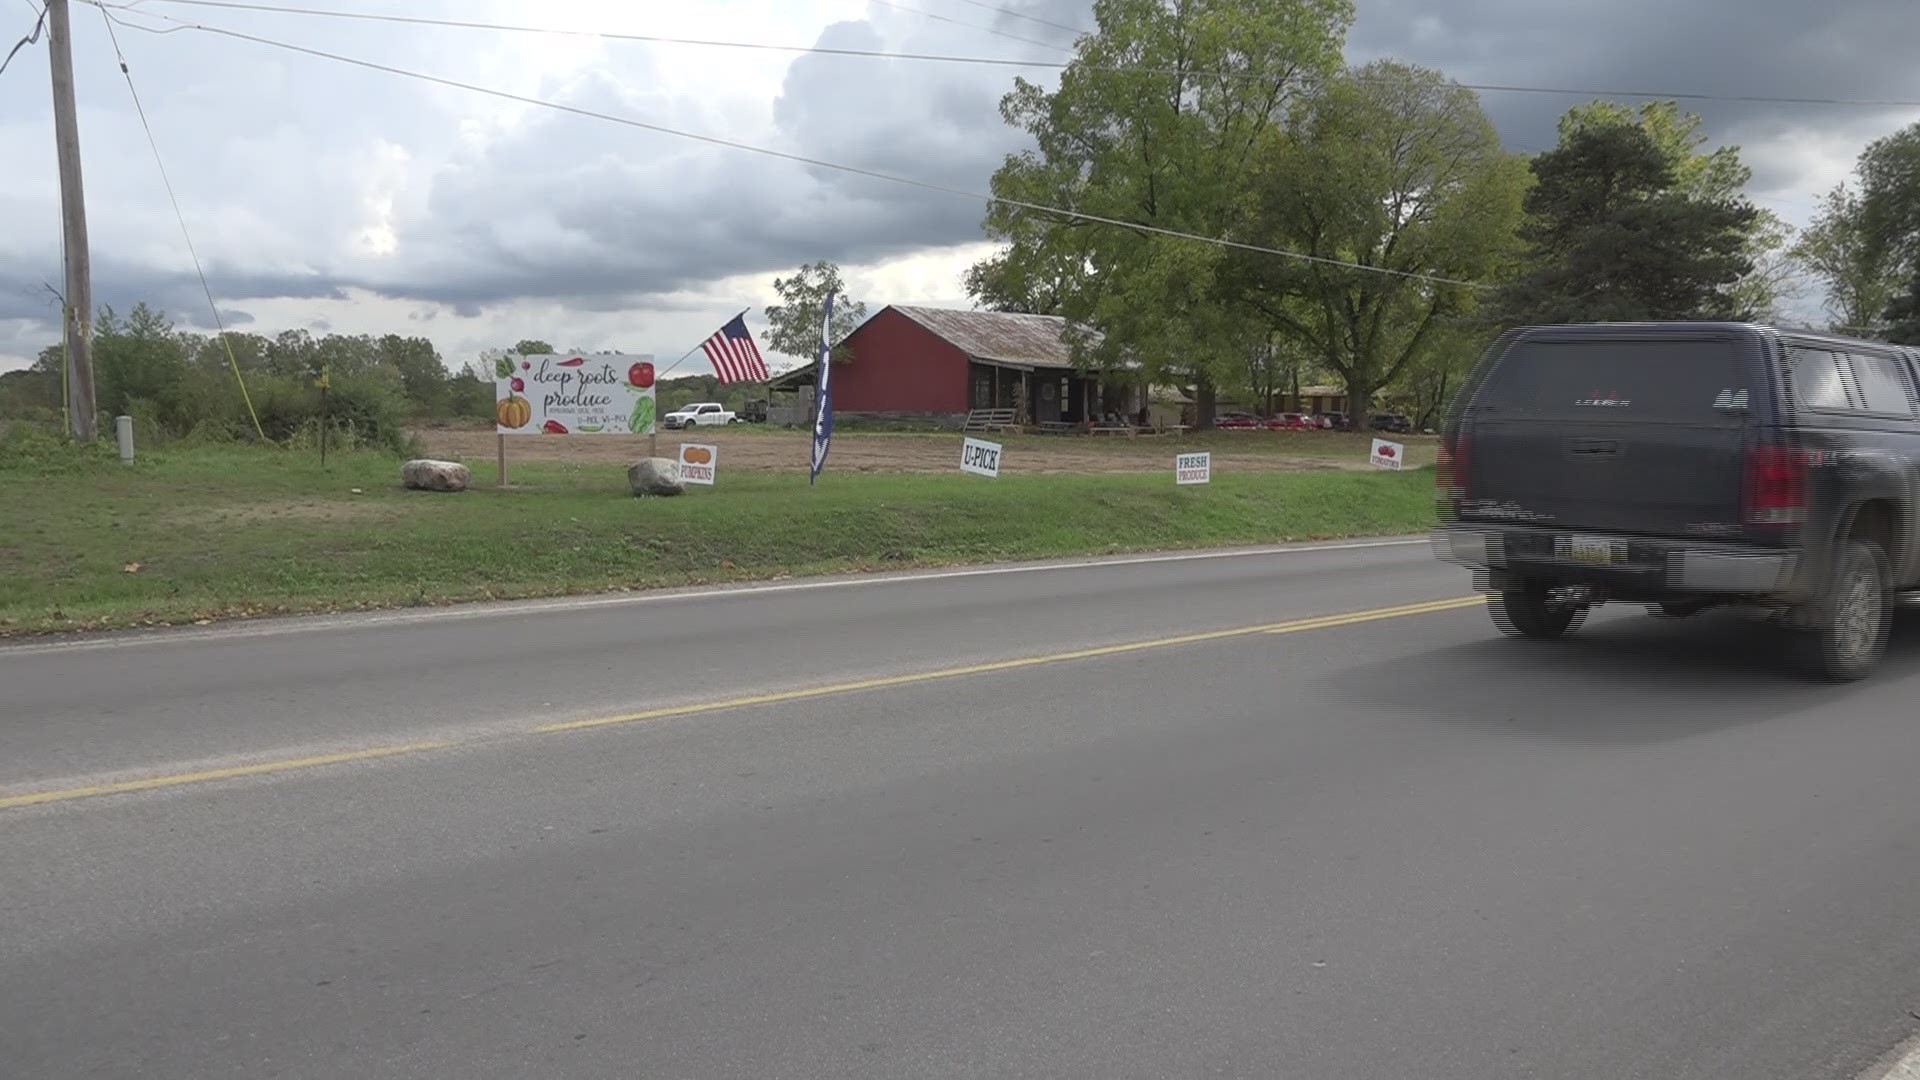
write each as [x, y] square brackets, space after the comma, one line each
[227, 531]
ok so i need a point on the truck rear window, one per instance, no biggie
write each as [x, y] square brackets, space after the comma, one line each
[1614, 379]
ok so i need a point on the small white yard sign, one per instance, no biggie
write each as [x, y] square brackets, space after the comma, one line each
[1193, 468]
[1387, 455]
[980, 458]
[698, 463]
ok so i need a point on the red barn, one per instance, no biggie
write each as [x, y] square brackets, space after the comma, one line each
[937, 364]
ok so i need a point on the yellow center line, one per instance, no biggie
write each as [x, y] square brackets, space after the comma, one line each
[1320, 622]
[778, 697]
[150, 783]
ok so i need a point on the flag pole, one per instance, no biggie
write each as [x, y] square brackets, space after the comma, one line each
[697, 348]
[653, 437]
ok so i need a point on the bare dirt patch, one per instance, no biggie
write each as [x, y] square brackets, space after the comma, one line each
[762, 450]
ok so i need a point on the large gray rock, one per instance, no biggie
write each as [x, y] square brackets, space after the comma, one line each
[655, 476]
[426, 474]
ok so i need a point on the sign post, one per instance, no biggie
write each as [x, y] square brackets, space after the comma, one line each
[1386, 455]
[1194, 468]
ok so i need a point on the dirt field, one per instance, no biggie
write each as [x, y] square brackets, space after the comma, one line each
[760, 449]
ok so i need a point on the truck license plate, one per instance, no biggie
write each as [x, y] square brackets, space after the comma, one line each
[1596, 550]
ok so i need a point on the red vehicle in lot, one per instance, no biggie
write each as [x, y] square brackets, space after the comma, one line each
[1290, 421]
[1236, 422]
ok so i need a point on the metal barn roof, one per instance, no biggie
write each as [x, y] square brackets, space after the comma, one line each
[1002, 337]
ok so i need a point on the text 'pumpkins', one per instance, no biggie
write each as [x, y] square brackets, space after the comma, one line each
[513, 412]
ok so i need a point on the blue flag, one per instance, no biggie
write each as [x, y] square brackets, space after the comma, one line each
[823, 418]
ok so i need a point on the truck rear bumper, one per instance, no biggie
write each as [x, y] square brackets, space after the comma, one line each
[1630, 567]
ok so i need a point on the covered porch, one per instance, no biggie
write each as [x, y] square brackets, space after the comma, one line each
[1057, 398]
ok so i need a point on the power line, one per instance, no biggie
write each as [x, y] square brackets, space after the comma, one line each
[1023, 15]
[852, 170]
[32, 38]
[994, 61]
[107, 17]
[995, 31]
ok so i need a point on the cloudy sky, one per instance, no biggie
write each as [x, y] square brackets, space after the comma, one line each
[337, 198]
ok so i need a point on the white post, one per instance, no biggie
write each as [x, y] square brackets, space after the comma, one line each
[123, 430]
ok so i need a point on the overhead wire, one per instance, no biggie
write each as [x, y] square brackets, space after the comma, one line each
[154, 143]
[995, 31]
[1023, 15]
[853, 170]
[32, 38]
[881, 54]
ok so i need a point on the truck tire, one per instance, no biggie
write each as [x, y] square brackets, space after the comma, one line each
[1853, 622]
[1527, 610]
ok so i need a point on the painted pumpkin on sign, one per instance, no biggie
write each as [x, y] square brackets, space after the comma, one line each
[513, 412]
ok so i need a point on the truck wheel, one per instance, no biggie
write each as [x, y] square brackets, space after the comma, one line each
[1856, 618]
[1529, 610]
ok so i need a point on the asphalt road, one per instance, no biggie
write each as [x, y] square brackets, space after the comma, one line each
[1393, 847]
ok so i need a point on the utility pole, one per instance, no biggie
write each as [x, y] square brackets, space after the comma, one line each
[78, 314]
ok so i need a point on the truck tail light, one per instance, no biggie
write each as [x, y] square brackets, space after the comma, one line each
[1776, 485]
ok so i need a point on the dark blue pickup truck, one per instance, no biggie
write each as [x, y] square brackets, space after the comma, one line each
[1688, 465]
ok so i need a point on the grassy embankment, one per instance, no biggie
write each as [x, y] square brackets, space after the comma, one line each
[215, 532]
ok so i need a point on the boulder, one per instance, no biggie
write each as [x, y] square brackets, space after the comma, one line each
[655, 476]
[426, 474]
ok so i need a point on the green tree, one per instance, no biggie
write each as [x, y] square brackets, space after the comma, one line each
[793, 324]
[1429, 384]
[1889, 172]
[423, 378]
[1168, 148]
[1716, 175]
[1032, 276]
[1614, 234]
[1398, 173]
[471, 392]
[139, 362]
[531, 347]
[1861, 273]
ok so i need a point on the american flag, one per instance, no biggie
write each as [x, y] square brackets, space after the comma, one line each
[733, 354]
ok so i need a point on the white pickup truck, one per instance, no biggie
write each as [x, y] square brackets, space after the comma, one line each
[699, 414]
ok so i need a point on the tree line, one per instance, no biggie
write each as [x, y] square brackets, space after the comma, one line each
[178, 384]
[1413, 236]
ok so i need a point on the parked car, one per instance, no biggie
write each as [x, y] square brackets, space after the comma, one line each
[1290, 421]
[754, 412]
[1394, 422]
[1685, 466]
[1335, 421]
[1236, 421]
[700, 414]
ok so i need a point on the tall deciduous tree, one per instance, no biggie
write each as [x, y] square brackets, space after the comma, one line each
[793, 324]
[1167, 147]
[1889, 171]
[1616, 234]
[1397, 171]
[1861, 273]
[532, 347]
